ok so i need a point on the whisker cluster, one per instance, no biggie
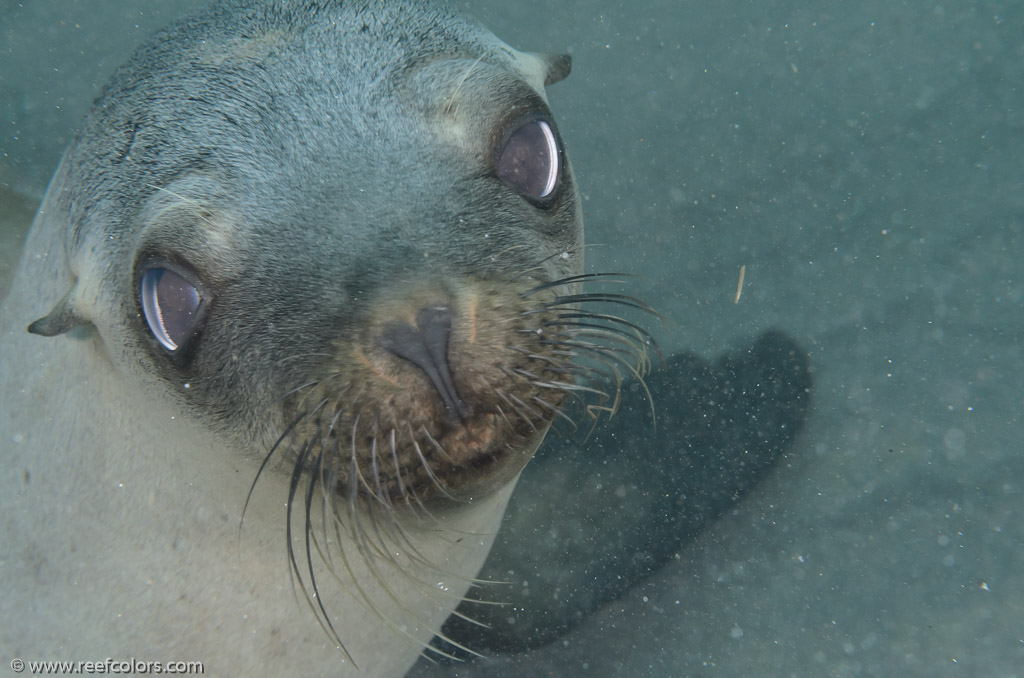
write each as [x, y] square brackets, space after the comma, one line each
[362, 481]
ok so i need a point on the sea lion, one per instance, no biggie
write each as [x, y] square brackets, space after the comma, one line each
[303, 297]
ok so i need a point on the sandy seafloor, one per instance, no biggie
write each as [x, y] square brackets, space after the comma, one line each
[863, 161]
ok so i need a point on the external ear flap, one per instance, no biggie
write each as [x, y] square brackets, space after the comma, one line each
[63, 318]
[541, 70]
[558, 67]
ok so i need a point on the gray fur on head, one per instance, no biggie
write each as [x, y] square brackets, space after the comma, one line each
[294, 156]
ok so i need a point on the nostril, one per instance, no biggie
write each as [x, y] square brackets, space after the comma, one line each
[426, 347]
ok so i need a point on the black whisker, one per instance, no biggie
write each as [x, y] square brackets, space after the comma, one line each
[426, 465]
[556, 411]
[311, 490]
[516, 409]
[263, 466]
[602, 297]
[603, 277]
[615, 320]
[324, 621]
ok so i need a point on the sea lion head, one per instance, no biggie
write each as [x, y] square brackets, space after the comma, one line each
[344, 234]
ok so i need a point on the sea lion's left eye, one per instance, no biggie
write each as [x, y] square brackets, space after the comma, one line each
[171, 306]
[529, 160]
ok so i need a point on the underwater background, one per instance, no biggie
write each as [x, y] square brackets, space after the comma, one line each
[863, 162]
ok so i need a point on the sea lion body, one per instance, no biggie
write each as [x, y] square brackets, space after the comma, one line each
[327, 182]
[112, 554]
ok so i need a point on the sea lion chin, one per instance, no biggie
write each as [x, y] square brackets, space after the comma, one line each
[335, 247]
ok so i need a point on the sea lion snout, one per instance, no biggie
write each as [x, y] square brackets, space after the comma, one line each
[436, 385]
[425, 345]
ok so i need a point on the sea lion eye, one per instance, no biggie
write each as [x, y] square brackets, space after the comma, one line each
[171, 305]
[529, 161]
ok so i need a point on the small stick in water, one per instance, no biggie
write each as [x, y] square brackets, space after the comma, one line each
[739, 285]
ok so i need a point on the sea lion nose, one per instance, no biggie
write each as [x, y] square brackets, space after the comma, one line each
[426, 347]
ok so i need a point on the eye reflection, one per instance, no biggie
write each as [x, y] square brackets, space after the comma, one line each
[529, 161]
[170, 303]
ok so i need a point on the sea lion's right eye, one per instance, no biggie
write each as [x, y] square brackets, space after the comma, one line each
[171, 305]
[529, 161]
